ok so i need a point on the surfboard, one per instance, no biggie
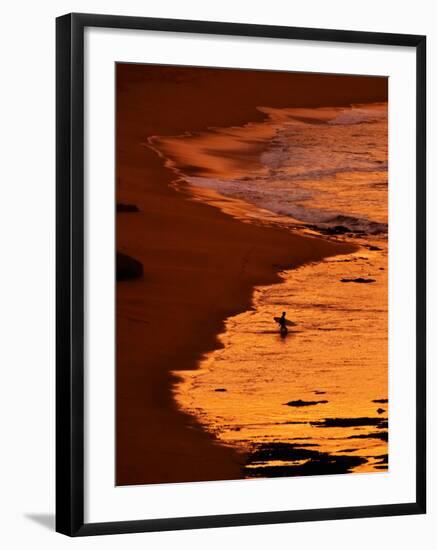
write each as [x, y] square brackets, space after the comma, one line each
[287, 322]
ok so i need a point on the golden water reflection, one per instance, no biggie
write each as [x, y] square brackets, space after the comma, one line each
[337, 353]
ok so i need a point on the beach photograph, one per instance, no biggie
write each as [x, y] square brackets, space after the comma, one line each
[251, 274]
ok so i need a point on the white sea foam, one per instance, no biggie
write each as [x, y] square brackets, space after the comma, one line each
[323, 167]
[359, 116]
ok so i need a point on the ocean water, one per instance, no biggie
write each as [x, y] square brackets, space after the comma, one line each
[316, 401]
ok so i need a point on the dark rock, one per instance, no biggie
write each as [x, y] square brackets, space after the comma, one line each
[380, 411]
[374, 248]
[318, 392]
[379, 400]
[336, 230]
[313, 462]
[127, 207]
[300, 403]
[128, 268]
[332, 465]
[377, 435]
[349, 422]
[282, 451]
[221, 389]
[357, 280]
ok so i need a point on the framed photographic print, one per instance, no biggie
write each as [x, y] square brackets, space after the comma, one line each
[240, 274]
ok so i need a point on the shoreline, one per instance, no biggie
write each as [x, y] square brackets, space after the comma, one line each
[206, 458]
[196, 259]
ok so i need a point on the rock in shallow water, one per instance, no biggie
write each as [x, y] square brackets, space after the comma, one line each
[383, 436]
[312, 462]
[337, 230]
[350, 422]
[357, 280]
[300, 403]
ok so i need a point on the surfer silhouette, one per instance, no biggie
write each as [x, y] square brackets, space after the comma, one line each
[282, 322]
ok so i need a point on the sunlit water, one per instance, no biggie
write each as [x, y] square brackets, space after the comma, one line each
[314, 401]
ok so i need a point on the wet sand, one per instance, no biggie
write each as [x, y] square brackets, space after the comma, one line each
[200, 264]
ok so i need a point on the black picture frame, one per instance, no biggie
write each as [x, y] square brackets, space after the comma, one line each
[70, 273]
